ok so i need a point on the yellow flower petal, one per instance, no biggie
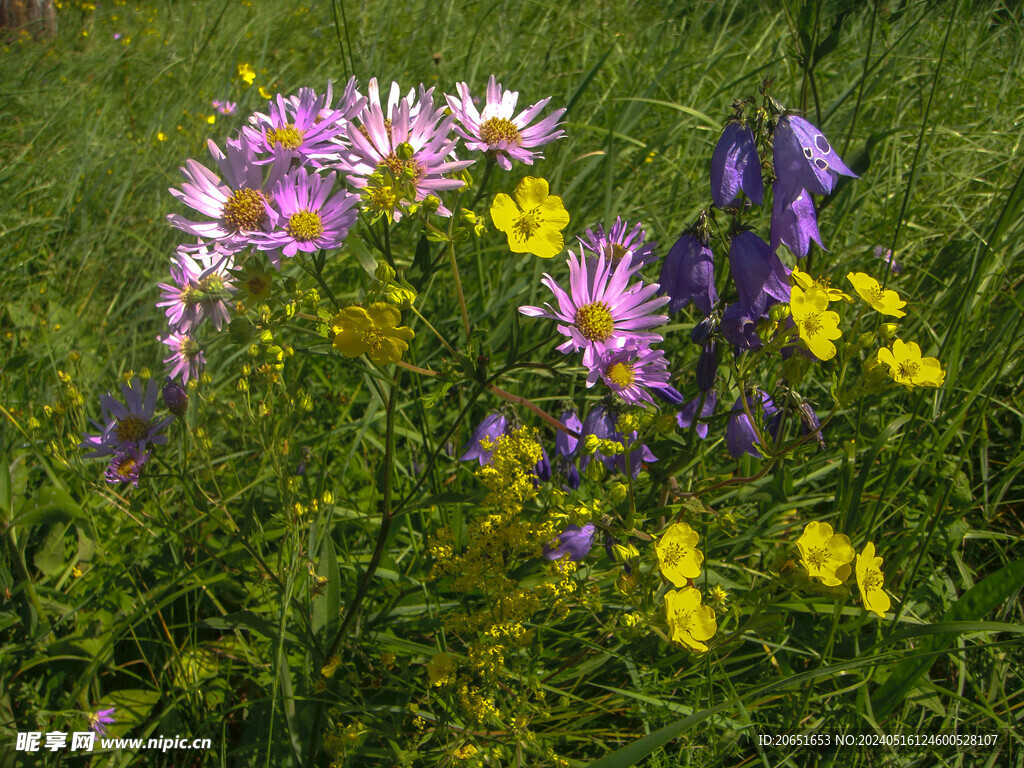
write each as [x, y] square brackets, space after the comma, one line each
[824, 553]
[870, 581]
[546, 243]
[553, 212]
[691, 623]
[531, 192]
[504, 212]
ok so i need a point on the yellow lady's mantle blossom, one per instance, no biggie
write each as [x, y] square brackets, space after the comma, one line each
[678, 557]
[825, 555]
[887, 302]
[372, 331]
[533, 222]
[869, 579]
[691, 623]
[907, 367]
[816, 324]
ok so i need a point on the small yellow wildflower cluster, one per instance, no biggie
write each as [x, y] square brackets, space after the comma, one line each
[827, 556]
[680, 560]
[509, 474]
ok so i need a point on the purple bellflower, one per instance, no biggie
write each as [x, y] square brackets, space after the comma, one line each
[794, 223]
[706, 402]
[804, 159]
[740, 436]
[600, 422]
[490, 429]
[739, 324]
[688, 273]
[735, 166]
[565, 448]
[757, 271]
[574, 542]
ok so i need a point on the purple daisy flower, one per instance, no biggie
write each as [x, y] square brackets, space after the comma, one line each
[794, 223]
[735, 166]
[127, 423]
[629, 371]
[620, 241]
[886, 255]
[688, 273]
[740, 436]
[201, 287]
[225, 107]
[302, 126]
[498, 130]
[804, 159]
[125, 466]
[600, 312]
[706, 403]
[574, 542]
[238, 205]
[756, 270]
[310, 220]
[99, 721]
[375, 138]
[490, 429]
[186, 357]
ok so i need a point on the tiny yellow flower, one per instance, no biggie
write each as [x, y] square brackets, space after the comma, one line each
[691, 623]
[246, 73]
[534, 221]
[372, 331]
[264, 93]
[161, 136]
[719, 595]
[907, 367]
[805, 282]
[825, 555]
[869, 579]
[678, 557]
[887, 302]
[211, 119]
[817, 325]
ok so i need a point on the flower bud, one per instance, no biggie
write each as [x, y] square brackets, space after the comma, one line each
[431, 203]
[175, 397]
[384, 272]
[702, 331]
[889, 331]
[779, 312]
[707, 367]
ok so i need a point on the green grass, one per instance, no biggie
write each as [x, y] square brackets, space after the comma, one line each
[195, 612]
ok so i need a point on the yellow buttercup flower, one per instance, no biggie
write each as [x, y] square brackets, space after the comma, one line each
[534, 221]
[246, 73]
[869, 579]
[691, 623]
[885, 301]
[678, 557]
[825, 555]
[372, 331]
[805, 282]
[907, 367]
[817, 325]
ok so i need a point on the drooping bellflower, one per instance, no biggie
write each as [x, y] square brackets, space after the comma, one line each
[735, 166]
[740, 436]
[804, 159]
[794, 222]
[490, 430]
[688, 274]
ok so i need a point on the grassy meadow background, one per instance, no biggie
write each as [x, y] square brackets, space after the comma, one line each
[188, 605]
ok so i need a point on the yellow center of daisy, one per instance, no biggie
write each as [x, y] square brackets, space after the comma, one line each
[594, 321]
[614, 252]
[621, 374]
[189, 296]
[817, 556]
[288, 137]
[305, 226]
[131, 429]
[908, 369]
[399, 169]
[500, 129]
[127, 467]
[245, 210]
[374, 339]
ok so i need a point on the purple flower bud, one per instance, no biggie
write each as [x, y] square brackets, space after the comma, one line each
[491, 428]
[574, 541]
[543, 467]
[756, 270]
[886, 255]
[707, 367]
[740, 436]
[804, 159]
[686, 417]
[669, 394]
[735, 166]
[794, 223]
[175, 397]
[688, 273]
[702, 331]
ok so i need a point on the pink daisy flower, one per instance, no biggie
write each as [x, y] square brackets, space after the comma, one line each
[601, 312]
[129, 423]
[619, 241]
[186, 357]
[201, 287]
[498, 130]
[629, 373]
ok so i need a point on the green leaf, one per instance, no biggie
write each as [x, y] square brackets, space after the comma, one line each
[433, 398]
[49, 505]
[6, 489]
[326, 614]
[973, 605]
[50, 558]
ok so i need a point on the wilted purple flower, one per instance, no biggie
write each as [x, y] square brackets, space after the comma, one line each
[794, 223]
[125, 465]
[239, 206]
[565, 447]
[311, 218]
[630, 371]
[756, 270]
[886, 255]
[740, 436]
[735, 166]
[490, 429]
[739, 324]
[175, 397]
[804, 159]
[688, 272]
[201, 287]
[128, 423]
[496, 128]
[707, 367]
[186, 358]
[574, 541]
[706, 402]
[618, 243]
[600, 312]
[98, 721]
